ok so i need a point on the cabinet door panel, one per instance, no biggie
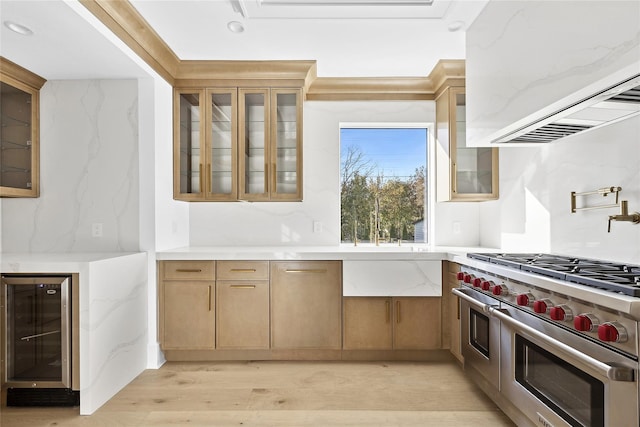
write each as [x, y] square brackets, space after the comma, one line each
[306, 305]
[367, 323]
[254, 144]
[242, 314]
[189, 154]
[286, 146]
[222, 148]
[188, 315]
[416, 323]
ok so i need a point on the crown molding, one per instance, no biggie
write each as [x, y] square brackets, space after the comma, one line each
[20, 74]
[126, 22]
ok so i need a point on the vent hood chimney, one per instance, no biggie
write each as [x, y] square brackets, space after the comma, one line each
[612, 104]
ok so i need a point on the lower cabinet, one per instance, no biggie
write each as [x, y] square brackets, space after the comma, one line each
[306, 304]
[211, 310]
[187, 305]
[242, 301]
[392, 323]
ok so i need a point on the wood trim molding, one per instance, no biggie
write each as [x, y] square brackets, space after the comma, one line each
[244, 70]
[20, 74]
[370, 88]
[126, 22]
[447, 72]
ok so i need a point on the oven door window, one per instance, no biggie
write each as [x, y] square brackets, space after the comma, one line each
[479, 332]
[574, 395]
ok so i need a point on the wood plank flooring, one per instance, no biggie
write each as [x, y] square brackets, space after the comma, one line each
[285, 394]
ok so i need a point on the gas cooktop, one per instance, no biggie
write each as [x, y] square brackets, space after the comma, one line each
[610, 276]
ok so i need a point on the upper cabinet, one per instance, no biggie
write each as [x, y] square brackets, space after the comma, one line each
[19, 138]
[464, 174]
[238, 144]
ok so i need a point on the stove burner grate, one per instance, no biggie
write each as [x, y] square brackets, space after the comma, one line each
[614, 277]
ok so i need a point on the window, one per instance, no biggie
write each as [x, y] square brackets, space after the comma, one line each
[382, 184]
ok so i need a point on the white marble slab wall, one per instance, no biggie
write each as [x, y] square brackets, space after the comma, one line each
[523, 56]
[534, 210]
[409, 278]
[113, 328]
[88, 172]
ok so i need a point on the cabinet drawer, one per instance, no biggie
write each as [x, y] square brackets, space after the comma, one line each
[242, 270]
[188, 270]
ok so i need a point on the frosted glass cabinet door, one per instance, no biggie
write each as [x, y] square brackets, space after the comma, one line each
[465, 174]
[254, 144]
[473, 166]
[188, 153]
[222, 151]
[286, 126]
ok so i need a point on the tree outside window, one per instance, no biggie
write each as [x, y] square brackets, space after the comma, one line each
[383, 192]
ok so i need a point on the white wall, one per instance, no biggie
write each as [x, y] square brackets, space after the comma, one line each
[522, 57]
[534, 211]
[88, 172]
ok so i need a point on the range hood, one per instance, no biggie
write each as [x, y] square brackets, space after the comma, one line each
[612, 104]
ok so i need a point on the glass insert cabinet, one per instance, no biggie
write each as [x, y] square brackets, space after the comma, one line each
[466, 174]
[238, 144]
[19, 130]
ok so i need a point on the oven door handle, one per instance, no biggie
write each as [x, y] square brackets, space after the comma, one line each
[471, 300]
[613, 372]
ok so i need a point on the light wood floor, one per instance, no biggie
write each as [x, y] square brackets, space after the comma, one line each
[285, 394]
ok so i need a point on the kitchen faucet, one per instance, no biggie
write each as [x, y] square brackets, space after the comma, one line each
[624, 215]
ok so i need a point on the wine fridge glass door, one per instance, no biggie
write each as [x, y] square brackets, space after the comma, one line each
[37, 331]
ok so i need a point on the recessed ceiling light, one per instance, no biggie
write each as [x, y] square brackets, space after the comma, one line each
[455, 26]
[17, 28]
[235, 27]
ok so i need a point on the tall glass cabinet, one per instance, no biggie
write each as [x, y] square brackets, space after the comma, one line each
[19, 131]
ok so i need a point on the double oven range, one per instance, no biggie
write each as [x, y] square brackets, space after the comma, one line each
[553, 340]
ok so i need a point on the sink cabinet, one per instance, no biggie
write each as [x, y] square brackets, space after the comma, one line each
[19, 138]
[392, 323]
[187, 305]
[238, 144]
[463, 174]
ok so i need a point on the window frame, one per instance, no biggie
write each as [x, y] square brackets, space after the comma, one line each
[430, 164]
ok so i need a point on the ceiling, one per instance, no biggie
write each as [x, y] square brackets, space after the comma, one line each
[348, 38]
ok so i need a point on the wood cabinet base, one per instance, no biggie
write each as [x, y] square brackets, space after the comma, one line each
[299, 355]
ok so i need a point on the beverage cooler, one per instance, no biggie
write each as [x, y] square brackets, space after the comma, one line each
[36, 347]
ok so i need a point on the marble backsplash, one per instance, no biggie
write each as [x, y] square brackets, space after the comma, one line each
[88, 172]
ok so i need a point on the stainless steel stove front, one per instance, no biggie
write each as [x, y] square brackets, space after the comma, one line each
[564, 361]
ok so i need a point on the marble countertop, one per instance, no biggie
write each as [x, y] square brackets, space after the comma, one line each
[342, 252]
[14, 262]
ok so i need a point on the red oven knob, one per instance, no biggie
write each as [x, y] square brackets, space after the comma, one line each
[542, 306]
[500, 290]
[585, 322]
[612, 332]
[486, 285]
[460, 275]
[468, 278]
[477, 282]
[561, 313]
[525, 299]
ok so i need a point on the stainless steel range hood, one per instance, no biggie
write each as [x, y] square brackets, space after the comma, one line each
[606, 106]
